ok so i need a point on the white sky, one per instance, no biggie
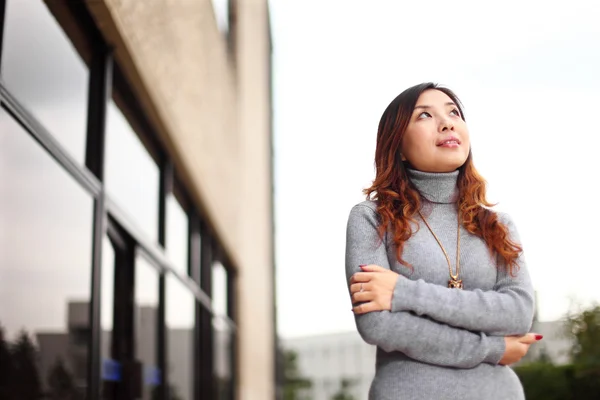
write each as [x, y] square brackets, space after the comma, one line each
[528, 75]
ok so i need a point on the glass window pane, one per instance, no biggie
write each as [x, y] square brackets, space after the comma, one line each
[132, 176]
[43, 70]
[177, 235]
[45, 262]
[146, 317]
[107, 293]
[145, 314]
[222, 366]
[180, 328]
[221, 10]
[219, 289]
[222, 331]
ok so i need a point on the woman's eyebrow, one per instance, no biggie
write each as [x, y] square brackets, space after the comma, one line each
[425, 107]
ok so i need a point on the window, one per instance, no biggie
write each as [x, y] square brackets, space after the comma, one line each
[132, 176]
[45, 254]
[146, 323]
[219, 289]
[45, 73]
[177, 235]
[223, 334]
[221, 10]
[107, 293]
[180, 321]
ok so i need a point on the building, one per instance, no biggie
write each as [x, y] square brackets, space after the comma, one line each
[136, 227]
[328, 360]
[556, 345]
[65, 350]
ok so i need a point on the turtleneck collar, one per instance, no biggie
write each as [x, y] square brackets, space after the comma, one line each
[437, 187]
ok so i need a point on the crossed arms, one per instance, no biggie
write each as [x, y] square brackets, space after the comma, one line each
[434, 324]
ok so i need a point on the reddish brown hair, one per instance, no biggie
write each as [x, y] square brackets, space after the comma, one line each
[398, 200]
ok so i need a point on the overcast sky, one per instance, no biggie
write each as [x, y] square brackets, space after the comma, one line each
[527, 73]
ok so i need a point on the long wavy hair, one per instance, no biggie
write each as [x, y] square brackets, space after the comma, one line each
[398, 200]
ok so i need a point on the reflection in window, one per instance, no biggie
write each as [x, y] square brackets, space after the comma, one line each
[219, 289]
[115, 293]
[107, 304]
[177, 235]
[43, 70]
[46, 236]
[180, 328]
[221, 10]
[132, 176]
[222, 331]
[222, 359]
[145, 328]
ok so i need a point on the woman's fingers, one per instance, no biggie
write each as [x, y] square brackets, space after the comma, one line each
[530, 338]
[361, 277]
[360, 297]
[517, 347]
[373, 268]
[361, 287]
[366, 308]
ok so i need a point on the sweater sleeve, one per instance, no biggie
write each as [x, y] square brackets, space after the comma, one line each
[506, 310]
[418, 337]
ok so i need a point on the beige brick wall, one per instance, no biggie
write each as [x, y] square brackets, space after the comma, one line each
[212, 109]
[253, 52]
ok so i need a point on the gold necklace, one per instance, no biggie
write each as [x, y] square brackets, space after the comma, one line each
[454, 282]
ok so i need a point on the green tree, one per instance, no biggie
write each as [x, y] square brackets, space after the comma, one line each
[26, 380]
[295, 386]
[61, 384]
[544, 381]
[543, 355]
[5, 368]
[584, 328]
[344, 392]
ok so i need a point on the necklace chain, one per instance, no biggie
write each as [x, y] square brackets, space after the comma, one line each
[454, 282]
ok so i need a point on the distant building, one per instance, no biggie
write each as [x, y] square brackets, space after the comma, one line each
[70, 348]
[328, 359]
[555, 344]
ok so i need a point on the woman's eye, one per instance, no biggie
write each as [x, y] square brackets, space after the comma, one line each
[455, 111]
[424, 114]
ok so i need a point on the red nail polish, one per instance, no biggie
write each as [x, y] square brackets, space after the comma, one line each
[362, 265]
[539, 337]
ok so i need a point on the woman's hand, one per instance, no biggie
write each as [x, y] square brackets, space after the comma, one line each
[517, 347]
[373, 288]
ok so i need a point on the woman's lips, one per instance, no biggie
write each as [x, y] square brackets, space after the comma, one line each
[449, 143]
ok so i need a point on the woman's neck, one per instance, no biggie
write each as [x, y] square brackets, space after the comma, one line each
[437, 187]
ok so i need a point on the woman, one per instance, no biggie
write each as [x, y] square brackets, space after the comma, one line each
[437, 279]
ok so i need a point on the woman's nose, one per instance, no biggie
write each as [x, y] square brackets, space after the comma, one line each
[446, 125]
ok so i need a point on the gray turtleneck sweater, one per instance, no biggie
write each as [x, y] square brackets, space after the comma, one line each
[436, 342]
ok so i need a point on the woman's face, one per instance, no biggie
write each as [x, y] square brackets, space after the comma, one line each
[436, 139]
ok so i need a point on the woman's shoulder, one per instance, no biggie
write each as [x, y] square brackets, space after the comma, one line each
[370, 204]
[503, 217]
[363, 216]
[365, 209]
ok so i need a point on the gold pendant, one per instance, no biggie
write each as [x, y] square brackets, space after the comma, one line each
[455, 283]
